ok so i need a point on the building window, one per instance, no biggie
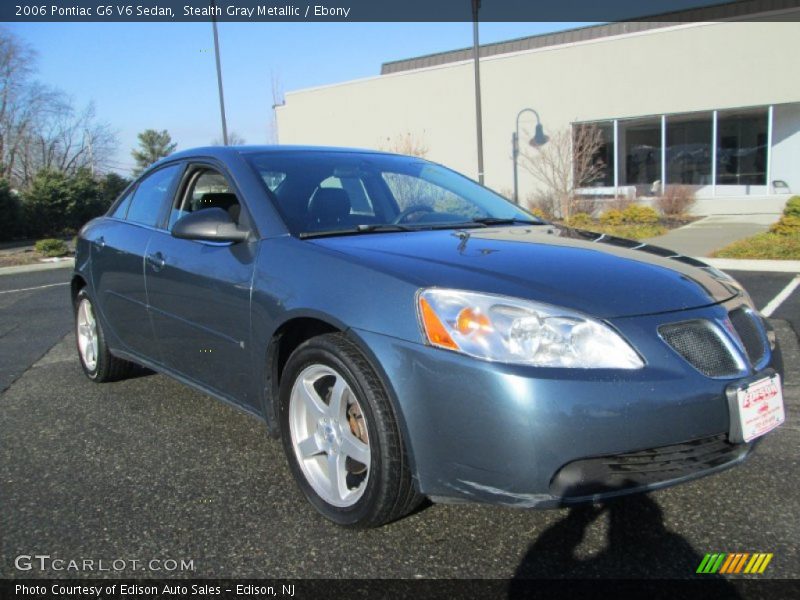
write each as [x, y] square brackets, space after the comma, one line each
[686, 152]
[742, 147]
[640, 151]
[689, 149]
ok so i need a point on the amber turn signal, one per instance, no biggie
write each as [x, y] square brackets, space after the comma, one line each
[434, 329]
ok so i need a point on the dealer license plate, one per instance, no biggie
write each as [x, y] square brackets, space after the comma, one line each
[759, 408]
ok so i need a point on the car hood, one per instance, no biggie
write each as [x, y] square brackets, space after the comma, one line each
[596, 274]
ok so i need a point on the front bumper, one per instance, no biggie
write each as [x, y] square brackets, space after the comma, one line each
[533, 437]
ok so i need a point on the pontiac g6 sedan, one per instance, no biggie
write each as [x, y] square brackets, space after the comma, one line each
[408, 333]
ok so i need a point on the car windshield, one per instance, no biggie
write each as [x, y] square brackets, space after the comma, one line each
[327, 192]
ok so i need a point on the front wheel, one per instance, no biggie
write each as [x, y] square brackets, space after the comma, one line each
[96, 360]
[341, 437]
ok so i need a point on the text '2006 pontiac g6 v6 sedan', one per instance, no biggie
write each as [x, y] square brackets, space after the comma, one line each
[408, 333]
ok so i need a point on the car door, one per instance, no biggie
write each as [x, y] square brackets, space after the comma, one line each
[199, 291]
[117, 257]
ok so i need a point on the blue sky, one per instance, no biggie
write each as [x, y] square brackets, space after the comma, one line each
[162, 76]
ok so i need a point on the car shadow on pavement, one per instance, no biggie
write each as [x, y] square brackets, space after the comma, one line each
[138, 371]
[638, 545]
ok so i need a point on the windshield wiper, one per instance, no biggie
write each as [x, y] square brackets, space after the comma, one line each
[505, 221]
[358, 229]
[381, 227]
[393, 227]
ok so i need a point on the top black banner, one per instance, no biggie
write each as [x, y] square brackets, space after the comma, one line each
[396, 10]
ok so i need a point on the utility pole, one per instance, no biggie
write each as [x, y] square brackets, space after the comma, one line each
[219, 74]
[476, 5]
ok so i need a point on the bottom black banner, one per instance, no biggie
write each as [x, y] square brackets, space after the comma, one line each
[232, 589]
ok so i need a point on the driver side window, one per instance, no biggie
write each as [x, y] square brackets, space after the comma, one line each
[207, 188]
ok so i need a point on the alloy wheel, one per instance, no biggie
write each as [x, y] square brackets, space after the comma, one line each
[87, 334]
[329, 435]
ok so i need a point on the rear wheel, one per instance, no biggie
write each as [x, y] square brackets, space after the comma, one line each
[96, 360]
[341, 436]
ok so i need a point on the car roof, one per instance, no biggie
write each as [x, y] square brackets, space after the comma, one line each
[226, 151]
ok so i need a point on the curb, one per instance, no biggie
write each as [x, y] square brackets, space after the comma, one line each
[737, 264]
[62, 264]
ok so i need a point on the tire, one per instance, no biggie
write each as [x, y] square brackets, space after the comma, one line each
[319, 440]
[89, 331]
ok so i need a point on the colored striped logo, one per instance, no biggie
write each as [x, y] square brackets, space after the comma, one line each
[736, 562]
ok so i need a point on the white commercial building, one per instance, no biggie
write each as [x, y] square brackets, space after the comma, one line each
[714, 105]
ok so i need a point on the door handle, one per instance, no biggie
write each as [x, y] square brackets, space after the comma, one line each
[101, 242]
[157, 261]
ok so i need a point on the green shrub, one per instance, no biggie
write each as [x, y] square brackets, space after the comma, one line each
[786, 225]
[579, 220]
[792, 207]
[56, 203]
[636, 214]
[612, 217]
[47, 204]
[764, 246]
[51, 247]
[635, 232]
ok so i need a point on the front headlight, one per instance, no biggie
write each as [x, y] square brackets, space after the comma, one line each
[503, 329]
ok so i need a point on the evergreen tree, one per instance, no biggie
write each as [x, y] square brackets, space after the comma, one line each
[153, 145]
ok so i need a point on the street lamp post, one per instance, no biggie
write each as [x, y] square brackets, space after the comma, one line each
[219, 77]
[538, 139]
[476, 5]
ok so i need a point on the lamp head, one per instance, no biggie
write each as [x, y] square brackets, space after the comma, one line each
[539, 137]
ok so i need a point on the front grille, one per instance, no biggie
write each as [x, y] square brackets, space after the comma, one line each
[702, 345]
[608, 474]
[751, 334]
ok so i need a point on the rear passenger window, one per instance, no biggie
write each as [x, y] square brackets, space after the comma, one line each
[272, 179]
[121, 209]
[150, 195]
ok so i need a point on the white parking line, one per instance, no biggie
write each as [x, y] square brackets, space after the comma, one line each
[779, 299]
[38, 287]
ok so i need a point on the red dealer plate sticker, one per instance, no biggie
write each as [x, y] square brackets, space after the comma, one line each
[760, 407]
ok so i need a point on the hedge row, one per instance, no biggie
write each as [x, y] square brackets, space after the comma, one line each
[789, 223]
[55, 204]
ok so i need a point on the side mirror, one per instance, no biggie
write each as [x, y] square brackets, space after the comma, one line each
[208, 224]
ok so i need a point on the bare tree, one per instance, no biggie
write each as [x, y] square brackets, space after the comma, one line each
[569, 160]
[234, 139]
[65, 140]
[411, 191]
[22, 119]
[408, 191]
[407, 143]
[39, 127]
[21, 99]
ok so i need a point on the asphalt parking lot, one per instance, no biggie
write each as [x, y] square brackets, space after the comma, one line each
[149, 469]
